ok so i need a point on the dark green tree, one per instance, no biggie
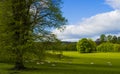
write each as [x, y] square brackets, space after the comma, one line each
[114, 39]
[118, 40]
[97, 41]
[109, 38]
[102, 38]
[26, 21]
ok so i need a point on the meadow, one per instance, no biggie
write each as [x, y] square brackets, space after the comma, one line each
[71, 63]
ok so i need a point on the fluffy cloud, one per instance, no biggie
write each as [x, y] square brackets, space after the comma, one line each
[92, 27]
[108, 22]
[114, 3]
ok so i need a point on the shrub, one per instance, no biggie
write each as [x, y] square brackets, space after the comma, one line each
[116, 48]
[105, 47]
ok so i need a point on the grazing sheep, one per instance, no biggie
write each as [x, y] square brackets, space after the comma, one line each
[37, 63]
[109, 63]
[92, 63]
[53, 65]
[41, 62]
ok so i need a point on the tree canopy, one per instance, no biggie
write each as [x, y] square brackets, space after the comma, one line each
[86, 45]
[26, 21]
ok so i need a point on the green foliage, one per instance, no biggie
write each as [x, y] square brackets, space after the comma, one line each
[109, 38]
[105, 47]
[56, 48]
[22, 22]
[86, 46]
[6, 56]
[108, 47]
[114, 39]
[102, 38]
[118, 40]
[108, 44]
[116, 48]
[39, 50]
[69, 46]
[93, 45]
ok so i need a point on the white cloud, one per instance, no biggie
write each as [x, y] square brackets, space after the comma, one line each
[92, 27]
[114, 3]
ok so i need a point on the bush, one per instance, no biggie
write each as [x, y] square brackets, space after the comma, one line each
[116, 48]
[86, 45]
[105, 47]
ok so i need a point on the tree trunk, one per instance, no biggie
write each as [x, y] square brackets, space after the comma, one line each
[19, 64]
[20, 17]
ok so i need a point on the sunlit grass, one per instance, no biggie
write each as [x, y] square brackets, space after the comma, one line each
[72, 63]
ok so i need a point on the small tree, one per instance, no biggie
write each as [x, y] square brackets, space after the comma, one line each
[86, 45]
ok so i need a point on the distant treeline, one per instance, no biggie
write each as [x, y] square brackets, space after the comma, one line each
[102, 44]
[109, 38]
[61, 46]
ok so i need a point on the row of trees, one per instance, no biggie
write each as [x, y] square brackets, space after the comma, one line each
[108, 47]
[103, 44]
[109, 38]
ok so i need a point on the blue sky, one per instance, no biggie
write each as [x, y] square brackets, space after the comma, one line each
[90, 19]
[75, 10]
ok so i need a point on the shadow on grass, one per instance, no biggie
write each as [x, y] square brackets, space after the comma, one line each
[65, 68]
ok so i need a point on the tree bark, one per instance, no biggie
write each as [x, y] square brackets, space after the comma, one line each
[19, 64]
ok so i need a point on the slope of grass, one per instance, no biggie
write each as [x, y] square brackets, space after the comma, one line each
[72, 63]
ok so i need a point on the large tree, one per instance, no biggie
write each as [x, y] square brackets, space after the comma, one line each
[26, 21]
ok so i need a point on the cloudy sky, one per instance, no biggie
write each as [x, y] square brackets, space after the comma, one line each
[90, 19]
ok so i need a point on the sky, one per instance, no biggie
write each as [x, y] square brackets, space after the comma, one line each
[89, 19]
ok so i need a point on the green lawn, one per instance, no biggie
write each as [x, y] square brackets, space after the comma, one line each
[72, 63]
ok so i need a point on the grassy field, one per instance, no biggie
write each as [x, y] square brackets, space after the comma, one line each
[72, 63]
